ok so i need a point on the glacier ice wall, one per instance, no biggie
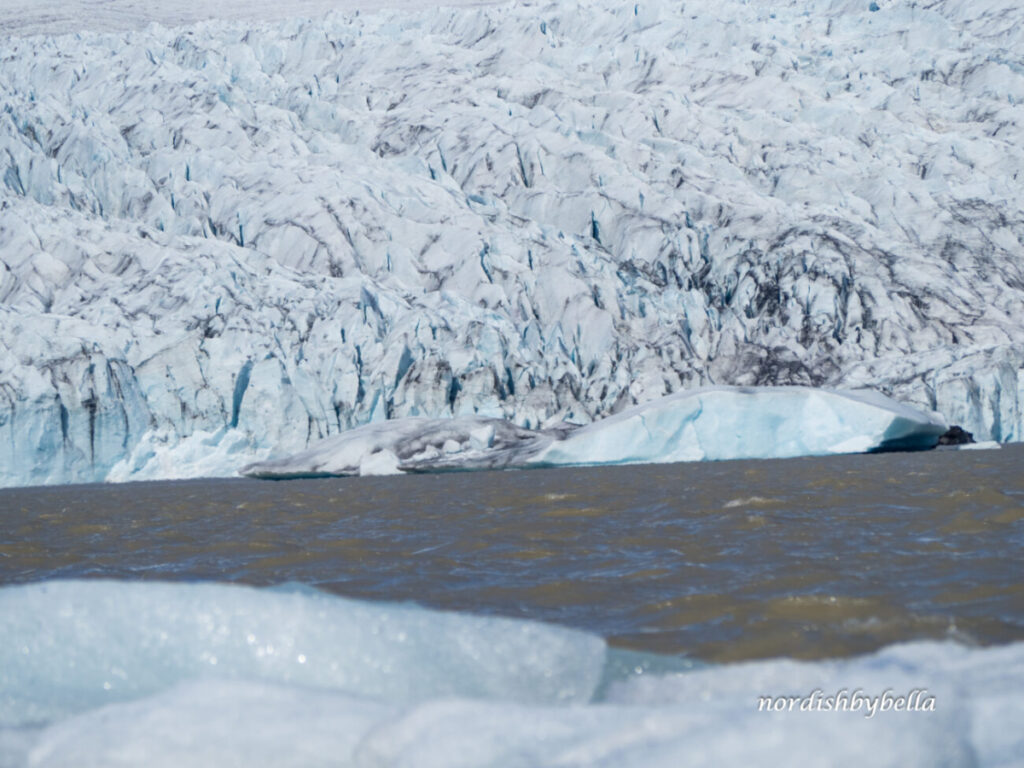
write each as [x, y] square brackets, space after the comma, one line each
[235, 237]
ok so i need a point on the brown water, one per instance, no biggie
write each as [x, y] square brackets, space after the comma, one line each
[801, 557]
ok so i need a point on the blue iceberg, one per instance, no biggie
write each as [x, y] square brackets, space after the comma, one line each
[715, 423]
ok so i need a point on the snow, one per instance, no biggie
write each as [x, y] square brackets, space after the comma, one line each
[88, 683]
[230, 240]
[708, 423]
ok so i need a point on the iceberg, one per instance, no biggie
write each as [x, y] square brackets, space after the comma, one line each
[107, 673]
[715, 423]
[404, 445]
[709, 423]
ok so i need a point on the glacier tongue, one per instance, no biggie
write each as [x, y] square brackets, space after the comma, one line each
[244, 236]
[708, 423]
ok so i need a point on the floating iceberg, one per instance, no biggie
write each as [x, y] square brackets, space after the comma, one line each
[713, 423]
[96, 673]
[710, 423]
[413, 444]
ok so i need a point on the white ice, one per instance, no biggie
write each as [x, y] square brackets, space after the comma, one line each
[233, 239]
[60, 17]
[391, 447]
[708, 423]
[985, 445]
[117, 674]
[68, 646]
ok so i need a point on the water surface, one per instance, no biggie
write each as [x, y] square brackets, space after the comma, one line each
[806, 557]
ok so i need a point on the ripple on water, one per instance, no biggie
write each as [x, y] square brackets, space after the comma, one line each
[725, 560]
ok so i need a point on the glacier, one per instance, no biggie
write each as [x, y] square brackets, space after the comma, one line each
[708, 423]
[108, 673]
[228, 240]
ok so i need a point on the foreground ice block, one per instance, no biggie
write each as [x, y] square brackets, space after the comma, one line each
[710, 423]
[70, 646]
[211, 723]
[97, 673]
[713, 423]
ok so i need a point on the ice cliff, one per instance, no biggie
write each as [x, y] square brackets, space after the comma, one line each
[240, 237]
